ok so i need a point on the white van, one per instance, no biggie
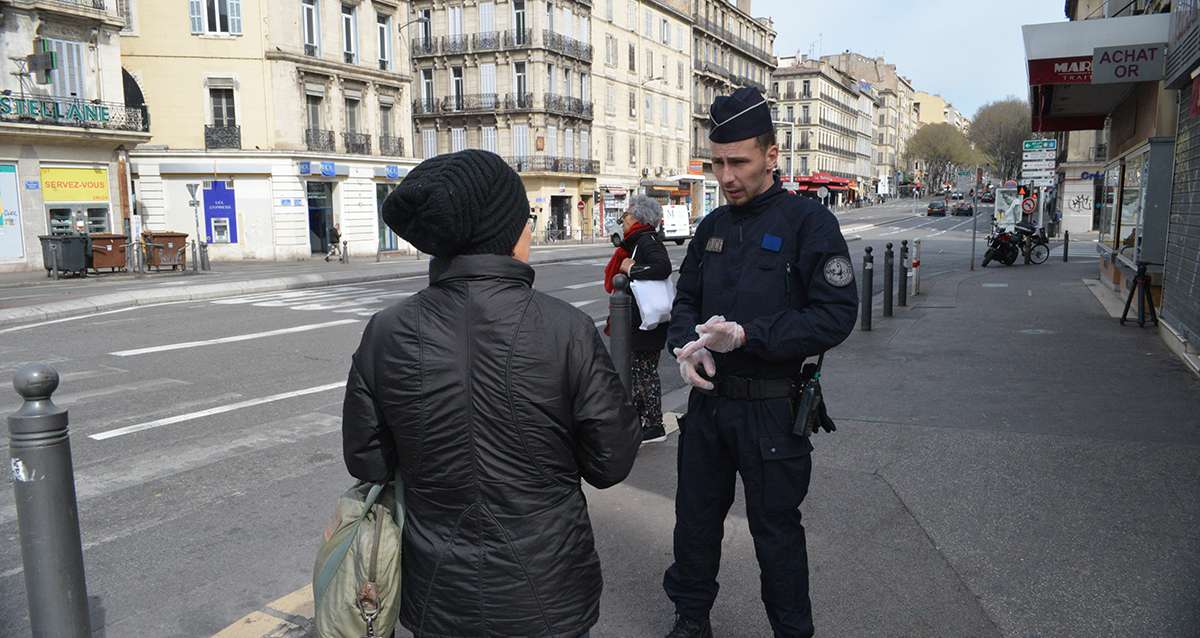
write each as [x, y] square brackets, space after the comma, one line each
[677, 223]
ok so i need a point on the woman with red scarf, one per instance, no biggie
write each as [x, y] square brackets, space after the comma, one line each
[642, 256]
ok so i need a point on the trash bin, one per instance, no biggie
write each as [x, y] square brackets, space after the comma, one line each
[165, 248]
[72, 254]
[108, 251]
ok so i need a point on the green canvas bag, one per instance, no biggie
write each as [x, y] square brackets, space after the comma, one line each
[356, 578]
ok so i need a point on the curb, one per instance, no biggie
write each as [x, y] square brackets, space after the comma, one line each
[199, 292]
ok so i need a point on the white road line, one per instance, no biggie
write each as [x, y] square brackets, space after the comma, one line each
[191, 416]
[585, 285]
[954, 227]
[87, 316]
[909, 228]
[234, 338]
[580, 304]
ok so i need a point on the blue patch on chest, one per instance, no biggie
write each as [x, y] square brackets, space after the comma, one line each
[772, 243]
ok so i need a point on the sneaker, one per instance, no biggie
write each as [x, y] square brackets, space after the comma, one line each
[654, 434]
[690, 628]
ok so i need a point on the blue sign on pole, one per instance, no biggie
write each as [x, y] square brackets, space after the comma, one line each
[327, 169]
[305, 168]
[220, 213]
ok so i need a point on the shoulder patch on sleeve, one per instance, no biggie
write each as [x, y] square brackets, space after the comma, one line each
[838, 271]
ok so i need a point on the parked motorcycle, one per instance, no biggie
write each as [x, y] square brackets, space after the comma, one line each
[1033, 242]
[1002, 247]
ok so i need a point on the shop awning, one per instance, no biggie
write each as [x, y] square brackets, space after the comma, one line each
[1080, 71]
[687, 178]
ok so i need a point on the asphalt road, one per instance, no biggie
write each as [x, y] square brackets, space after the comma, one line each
[207, 455]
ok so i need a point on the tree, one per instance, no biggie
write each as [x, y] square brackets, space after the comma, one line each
[939, 147]
[998, 130]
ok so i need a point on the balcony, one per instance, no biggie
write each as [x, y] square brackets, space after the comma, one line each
[222, 137]
[567, 46]
[489, 41]
[702, 152]
[518, 102]
[736, 42]
[357, 143]
[837, 151]
[424, 47]
[567, 105]
[72, 112]
[391, 145]
[320, 140]
[552, 164]
[517, 39]
[473, 103]
[455, 44]
[838, 127]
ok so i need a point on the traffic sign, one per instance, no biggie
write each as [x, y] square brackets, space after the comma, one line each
[1037, 155]
[1038, 174]
[822, 192]
[1043, 165]
[1044, 182]
[1028, 205]
[1043, 145]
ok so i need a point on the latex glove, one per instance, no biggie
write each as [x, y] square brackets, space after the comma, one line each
[719, 335]
[692, 347]
[689, 367]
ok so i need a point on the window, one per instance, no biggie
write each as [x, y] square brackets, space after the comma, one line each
[427, 89]
[610, 100]
[680, 75]
[519, 19]
[632, 104]
[804, 118]
[649, 24]
[488, 138]
[313, 111]
[310, 22]
[456, 87]
[552, 140]
[428, 142]
[426, 26]
[520, 133]
[679, 115]
[632, 151]
[455, 19]
[632, 58]
[649, 111]
[351, 115]
[349, 34]
[567, 83]
[608, 10]
[68, 79]
[487, 84]
[585, 144]
[610, 50]
[610, 147]
[569, 143]
[631, 17]
[585, 87]
[487, 16]
[520, 82]
[664, 114]
[665, 32]
[215, 16]
[383, 24]
[551, 79]
[458, 139]
[222, 107]
[550, 16]
[385, 122]
[649, 63]
[791, 113]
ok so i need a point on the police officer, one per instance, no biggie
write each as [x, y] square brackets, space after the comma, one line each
[767, 282]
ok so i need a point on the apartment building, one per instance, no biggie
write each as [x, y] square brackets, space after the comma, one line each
[824, 122]
[641, 128]
[730, 49]
[514, 78]
[64, 131]
[934, 109]
[291, 116]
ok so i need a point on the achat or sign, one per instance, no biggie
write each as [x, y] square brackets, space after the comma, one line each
[1132, 63]
[59, 109]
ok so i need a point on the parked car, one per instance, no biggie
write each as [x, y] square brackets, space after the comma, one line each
[987, 198]
[936, 208]
[956, 195]
[962, 208]
[615, 232]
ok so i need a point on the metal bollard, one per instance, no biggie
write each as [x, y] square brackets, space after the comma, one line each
[889, 266]
[54, 260]
[868, 287]
[902, 282]
[620, 324]
[916, 268]
[47, 514]
[195, 257]
[204, 265]
[345, 257]
[1066, 244]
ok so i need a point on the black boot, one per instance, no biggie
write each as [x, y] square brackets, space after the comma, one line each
[690, 628]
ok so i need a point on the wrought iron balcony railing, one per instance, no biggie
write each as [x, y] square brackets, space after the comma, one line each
[553, 164]
[73, 112]
[357, 143]
[222, 136]
[488, 41]
[567, 105]
[424, 47]
[518, 102]
[391, 145]
[455, 44]
[566, 45]
[471, 103]
[320, 140]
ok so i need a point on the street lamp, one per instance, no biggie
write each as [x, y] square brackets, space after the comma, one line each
[420, 19]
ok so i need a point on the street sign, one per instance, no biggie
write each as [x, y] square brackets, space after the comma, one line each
[964, 173]
[1038, 174]
[1037, 155]
[192, 190]
[1042, 165]
[1044, 182]
[1040, 145]
[822, 192]
[1028, 205]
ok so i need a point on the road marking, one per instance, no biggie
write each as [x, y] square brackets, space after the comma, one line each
[582, 286]
[954, 227]
[901, 230]
[580, 304]
[192, 416]
[995, 285]
[87, 316]
[233, 339]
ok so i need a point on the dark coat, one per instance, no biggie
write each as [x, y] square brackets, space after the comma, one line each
[650, 262]
[492, 400]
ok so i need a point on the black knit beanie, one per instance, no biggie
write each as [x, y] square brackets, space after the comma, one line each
[465, 203]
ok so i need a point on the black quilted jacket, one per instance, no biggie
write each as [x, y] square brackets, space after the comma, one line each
[492, 400]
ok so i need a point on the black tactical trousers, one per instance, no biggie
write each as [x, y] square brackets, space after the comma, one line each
[719, 437]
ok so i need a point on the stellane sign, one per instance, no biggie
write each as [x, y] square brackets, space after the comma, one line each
[54, 109]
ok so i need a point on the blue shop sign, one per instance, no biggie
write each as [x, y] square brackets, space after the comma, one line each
[305, 168]
[1093, 176]
[220, 213]
[327, 169]
[32, 185]
[393, 171]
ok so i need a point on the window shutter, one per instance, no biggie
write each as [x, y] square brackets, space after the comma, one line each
[235, 16]
[195, 12]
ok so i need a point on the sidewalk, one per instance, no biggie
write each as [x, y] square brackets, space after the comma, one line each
[1009, 461]
[30, 296]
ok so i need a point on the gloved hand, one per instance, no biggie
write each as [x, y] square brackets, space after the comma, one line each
[688, 366]
[719, 335]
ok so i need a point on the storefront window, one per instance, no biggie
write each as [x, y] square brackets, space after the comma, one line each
[1108, 210]
[1133, 195]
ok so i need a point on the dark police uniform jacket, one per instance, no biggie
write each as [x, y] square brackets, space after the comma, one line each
[778, 266]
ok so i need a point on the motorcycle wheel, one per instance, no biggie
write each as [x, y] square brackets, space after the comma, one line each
[1039, 253]
[1010, 257]
[987, 257]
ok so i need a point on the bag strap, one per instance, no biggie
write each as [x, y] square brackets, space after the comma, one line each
[334, 561]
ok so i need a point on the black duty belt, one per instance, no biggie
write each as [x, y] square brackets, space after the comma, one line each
[745, 388]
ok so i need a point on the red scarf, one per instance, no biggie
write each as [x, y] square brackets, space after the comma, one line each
[621, 254]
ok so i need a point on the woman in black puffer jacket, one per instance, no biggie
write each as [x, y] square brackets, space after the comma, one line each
[492, 401]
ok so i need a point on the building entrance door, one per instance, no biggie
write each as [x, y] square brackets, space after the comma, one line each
[387, 239]
[320, 215]
[560, 215]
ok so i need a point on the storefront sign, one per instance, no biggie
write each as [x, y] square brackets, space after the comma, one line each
[696, 167]
[11, 243]
[305, 168]
[74, 185]
[327, 169]
[32, 185]
[56, 109]
[1092, 176]
[220, 213]
[1133, 63]
[1073, 70]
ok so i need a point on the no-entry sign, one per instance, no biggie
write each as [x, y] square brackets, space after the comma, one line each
[1028, 205]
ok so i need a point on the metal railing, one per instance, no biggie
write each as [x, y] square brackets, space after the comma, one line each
[517, 39]
[518, 102]
[357, 143]
[471, 103]
[391, 145]
[88, 114]
[222, 136]
[703, 152]
[423, 47]
[553, 164]
[97, 5]
[566, 45]
[828, 148]
[737, 42]
[320, 140]
[426, 106]
[567, 105]
[455, 44]
[487, 41]
[845, 130]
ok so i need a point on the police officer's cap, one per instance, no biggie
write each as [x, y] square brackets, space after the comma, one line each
[740, 116]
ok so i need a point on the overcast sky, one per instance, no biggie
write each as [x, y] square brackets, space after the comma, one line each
[968, 52]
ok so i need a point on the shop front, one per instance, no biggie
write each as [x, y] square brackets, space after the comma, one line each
[560, 206]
